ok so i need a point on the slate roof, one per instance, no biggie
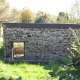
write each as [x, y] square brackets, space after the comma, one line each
[40, 25]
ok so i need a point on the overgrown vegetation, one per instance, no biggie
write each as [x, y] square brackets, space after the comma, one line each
[75, 48]
[65, 71]
[1, 51]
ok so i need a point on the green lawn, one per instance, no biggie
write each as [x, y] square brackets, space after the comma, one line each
[25, 70]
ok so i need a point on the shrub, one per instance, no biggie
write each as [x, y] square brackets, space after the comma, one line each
[1, 51]
[62, 70]
[75, 48]
[52, 66]
[67, 60]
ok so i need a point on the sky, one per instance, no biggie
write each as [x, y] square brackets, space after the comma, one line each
[50, 6]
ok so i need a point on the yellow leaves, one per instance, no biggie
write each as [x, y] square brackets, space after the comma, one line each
[27, 16]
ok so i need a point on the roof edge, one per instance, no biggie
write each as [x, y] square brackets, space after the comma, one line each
[40, 25]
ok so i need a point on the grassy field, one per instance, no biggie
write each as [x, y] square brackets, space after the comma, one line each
[25, 70]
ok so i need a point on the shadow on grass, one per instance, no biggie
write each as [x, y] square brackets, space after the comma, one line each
[18, 62]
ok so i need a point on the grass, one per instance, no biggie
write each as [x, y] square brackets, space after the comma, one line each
[25, 70]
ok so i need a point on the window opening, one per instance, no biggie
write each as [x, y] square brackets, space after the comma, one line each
[18, 50]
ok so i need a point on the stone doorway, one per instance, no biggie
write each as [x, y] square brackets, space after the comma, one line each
[18, 51]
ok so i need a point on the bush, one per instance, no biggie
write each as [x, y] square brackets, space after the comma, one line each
[52, 66]
[56, 68]
[75, 48]
[1, 51]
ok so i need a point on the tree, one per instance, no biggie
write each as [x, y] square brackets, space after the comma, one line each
[43, 17]
[2, 1]
[75, 13]
[5, 13]
[27, 16]
[62, 17]
[15, 15]
[4, 8]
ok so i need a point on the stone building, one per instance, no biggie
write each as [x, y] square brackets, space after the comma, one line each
[40, 42]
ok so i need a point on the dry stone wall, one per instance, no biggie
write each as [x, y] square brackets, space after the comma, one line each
[40, 43]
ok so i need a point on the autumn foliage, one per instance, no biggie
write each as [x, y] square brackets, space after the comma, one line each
[27, 16]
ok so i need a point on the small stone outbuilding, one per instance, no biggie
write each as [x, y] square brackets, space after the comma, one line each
[38, 42]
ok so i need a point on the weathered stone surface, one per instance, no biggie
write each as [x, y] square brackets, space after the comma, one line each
[40, 43]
